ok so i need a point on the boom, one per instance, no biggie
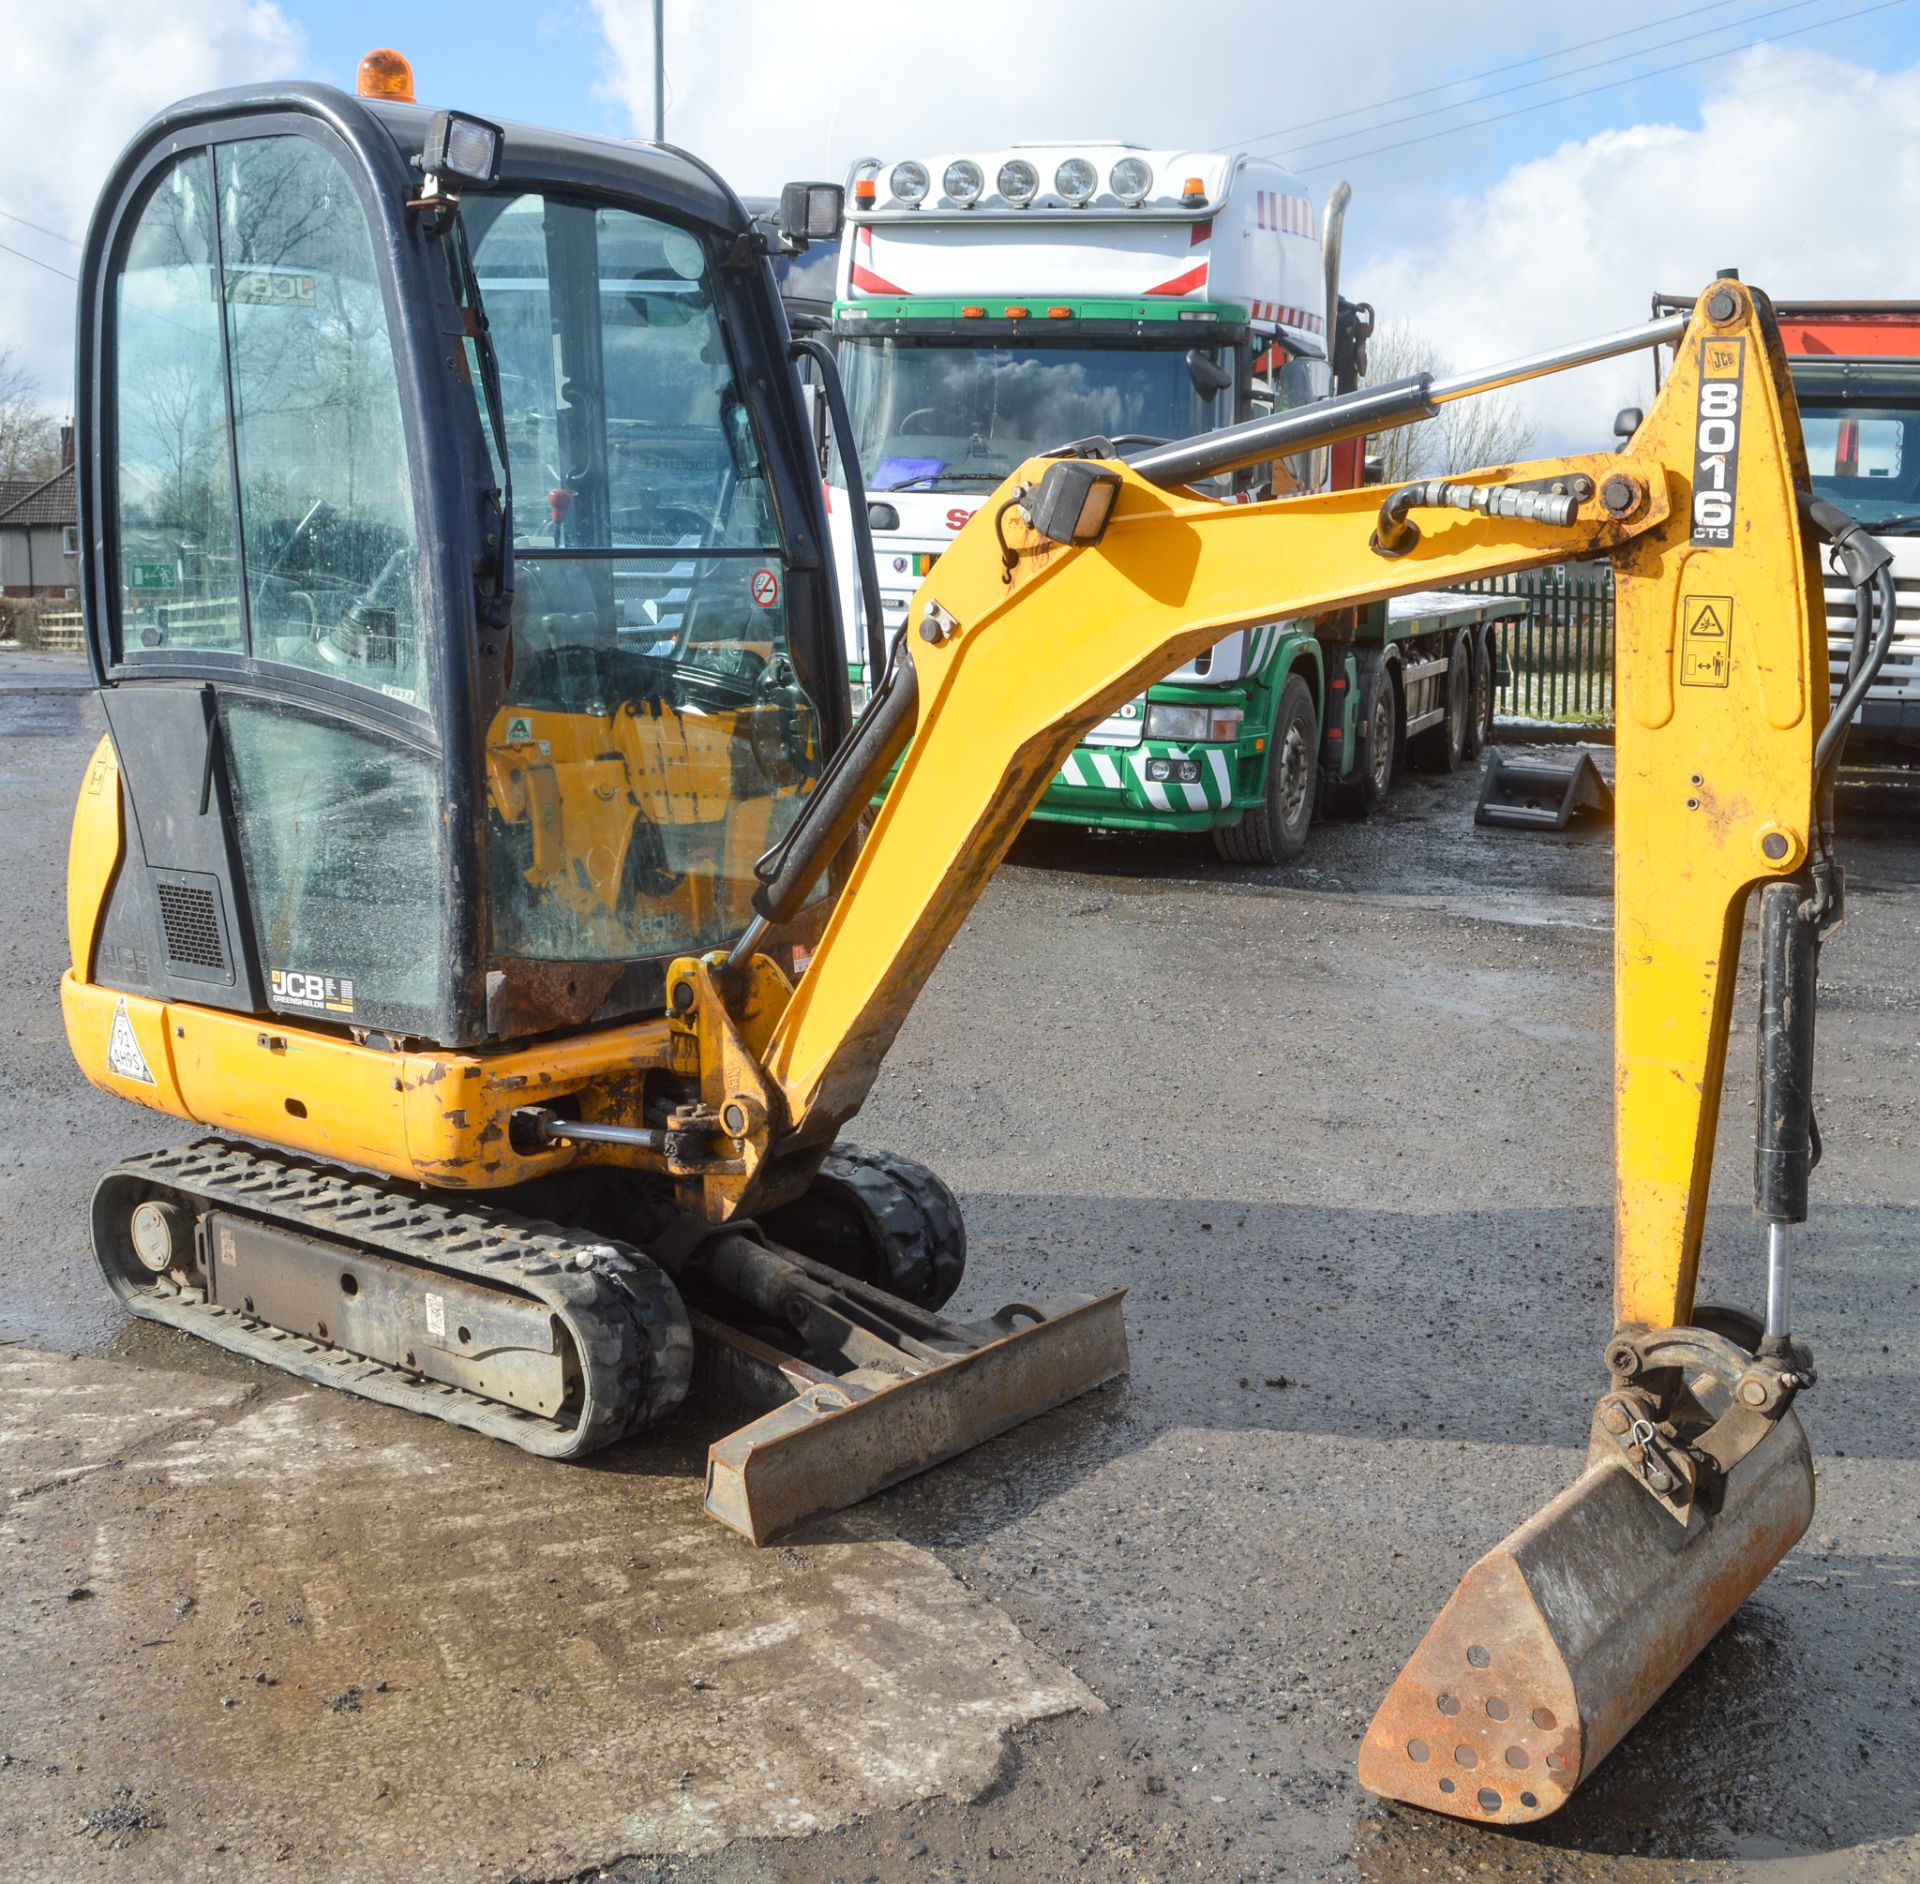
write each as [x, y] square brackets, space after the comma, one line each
[1717, 650]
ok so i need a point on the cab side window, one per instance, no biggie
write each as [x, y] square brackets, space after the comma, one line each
[325, 503]
[178, 579]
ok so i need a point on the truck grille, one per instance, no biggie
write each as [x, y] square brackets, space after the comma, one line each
[1900, 678]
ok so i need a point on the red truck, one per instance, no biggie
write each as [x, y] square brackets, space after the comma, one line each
[1856, 372]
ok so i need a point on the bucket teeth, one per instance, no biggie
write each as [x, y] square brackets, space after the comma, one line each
[1482, 1722]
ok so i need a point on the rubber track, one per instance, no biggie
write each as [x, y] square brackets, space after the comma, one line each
[913, 1212]
[622, 1313]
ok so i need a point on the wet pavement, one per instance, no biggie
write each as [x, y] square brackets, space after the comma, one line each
[1343, 1128]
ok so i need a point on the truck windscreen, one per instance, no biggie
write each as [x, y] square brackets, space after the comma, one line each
[1861, 421]
[949, 415]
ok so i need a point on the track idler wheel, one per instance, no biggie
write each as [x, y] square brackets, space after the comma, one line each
[882, 1219]
[1698, 1482]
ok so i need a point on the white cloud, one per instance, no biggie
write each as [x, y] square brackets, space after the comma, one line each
[767, 90]
[1802, 171]
[82, 77]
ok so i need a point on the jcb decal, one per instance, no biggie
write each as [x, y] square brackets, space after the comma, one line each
[1716, 445]
[320, 994]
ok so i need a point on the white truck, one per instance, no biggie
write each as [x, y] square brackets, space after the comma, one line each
[997, 303]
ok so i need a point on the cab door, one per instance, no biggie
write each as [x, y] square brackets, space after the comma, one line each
[262, 612]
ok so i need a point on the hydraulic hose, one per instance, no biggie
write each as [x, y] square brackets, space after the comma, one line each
[1866, 563]
[832, 809]
[1833, 736]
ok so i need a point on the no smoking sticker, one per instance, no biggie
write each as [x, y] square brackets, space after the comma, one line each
[1706, 640]
[766, 587]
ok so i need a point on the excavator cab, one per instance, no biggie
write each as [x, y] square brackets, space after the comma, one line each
[402, 754]
[458, 594]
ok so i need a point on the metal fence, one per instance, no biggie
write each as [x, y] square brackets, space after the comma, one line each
[1561, 655]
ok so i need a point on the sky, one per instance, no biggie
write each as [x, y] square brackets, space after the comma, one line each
[1522, 175]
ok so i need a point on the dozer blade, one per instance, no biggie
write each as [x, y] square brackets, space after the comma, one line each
[1563, 1635]
[840, 1437]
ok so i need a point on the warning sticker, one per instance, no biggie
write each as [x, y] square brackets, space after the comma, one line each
[1706, 640]
[766, 587]
[124, 1057]
[436, 1313]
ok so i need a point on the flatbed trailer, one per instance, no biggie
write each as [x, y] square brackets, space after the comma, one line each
[1406, 683]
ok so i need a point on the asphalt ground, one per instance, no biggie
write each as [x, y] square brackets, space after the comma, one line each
[1343, 1129]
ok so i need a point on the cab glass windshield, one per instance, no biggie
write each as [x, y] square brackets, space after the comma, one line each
[943, 415]
[655, 739]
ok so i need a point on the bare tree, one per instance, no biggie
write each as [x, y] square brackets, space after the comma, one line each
[29, 433]
[1490, 429]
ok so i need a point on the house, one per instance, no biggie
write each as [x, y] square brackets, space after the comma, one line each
[39, 533]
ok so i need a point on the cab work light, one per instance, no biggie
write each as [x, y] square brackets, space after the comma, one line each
[1073, 501]
[1076, 180]
[1131, 179]
[1019, 182]
[963, 182]
[459, 146]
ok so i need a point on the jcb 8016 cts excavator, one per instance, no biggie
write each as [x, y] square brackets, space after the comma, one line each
[477, 842]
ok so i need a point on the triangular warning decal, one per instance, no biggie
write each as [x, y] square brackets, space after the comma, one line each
[123, 1050]
[1706, 622]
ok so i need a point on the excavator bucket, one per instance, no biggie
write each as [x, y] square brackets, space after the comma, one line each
[1567, 1631]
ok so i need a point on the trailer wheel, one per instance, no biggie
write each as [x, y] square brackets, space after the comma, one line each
[1366, 791]
[1480, 720]
[1275, 830]
[1441, 748]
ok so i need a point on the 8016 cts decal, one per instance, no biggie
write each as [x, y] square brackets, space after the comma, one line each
[1716, 445]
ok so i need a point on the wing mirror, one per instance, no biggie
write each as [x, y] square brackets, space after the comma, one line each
[1210, 378]
[1626, 422]
[811, 212]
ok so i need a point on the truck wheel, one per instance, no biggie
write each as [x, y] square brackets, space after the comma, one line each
[1363, 794]
[1480, 720]
[1441, 748]
[1275, 830]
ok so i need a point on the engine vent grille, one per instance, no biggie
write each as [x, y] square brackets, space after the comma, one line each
[191, 917]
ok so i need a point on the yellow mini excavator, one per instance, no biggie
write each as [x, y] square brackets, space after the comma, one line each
[480, 843]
